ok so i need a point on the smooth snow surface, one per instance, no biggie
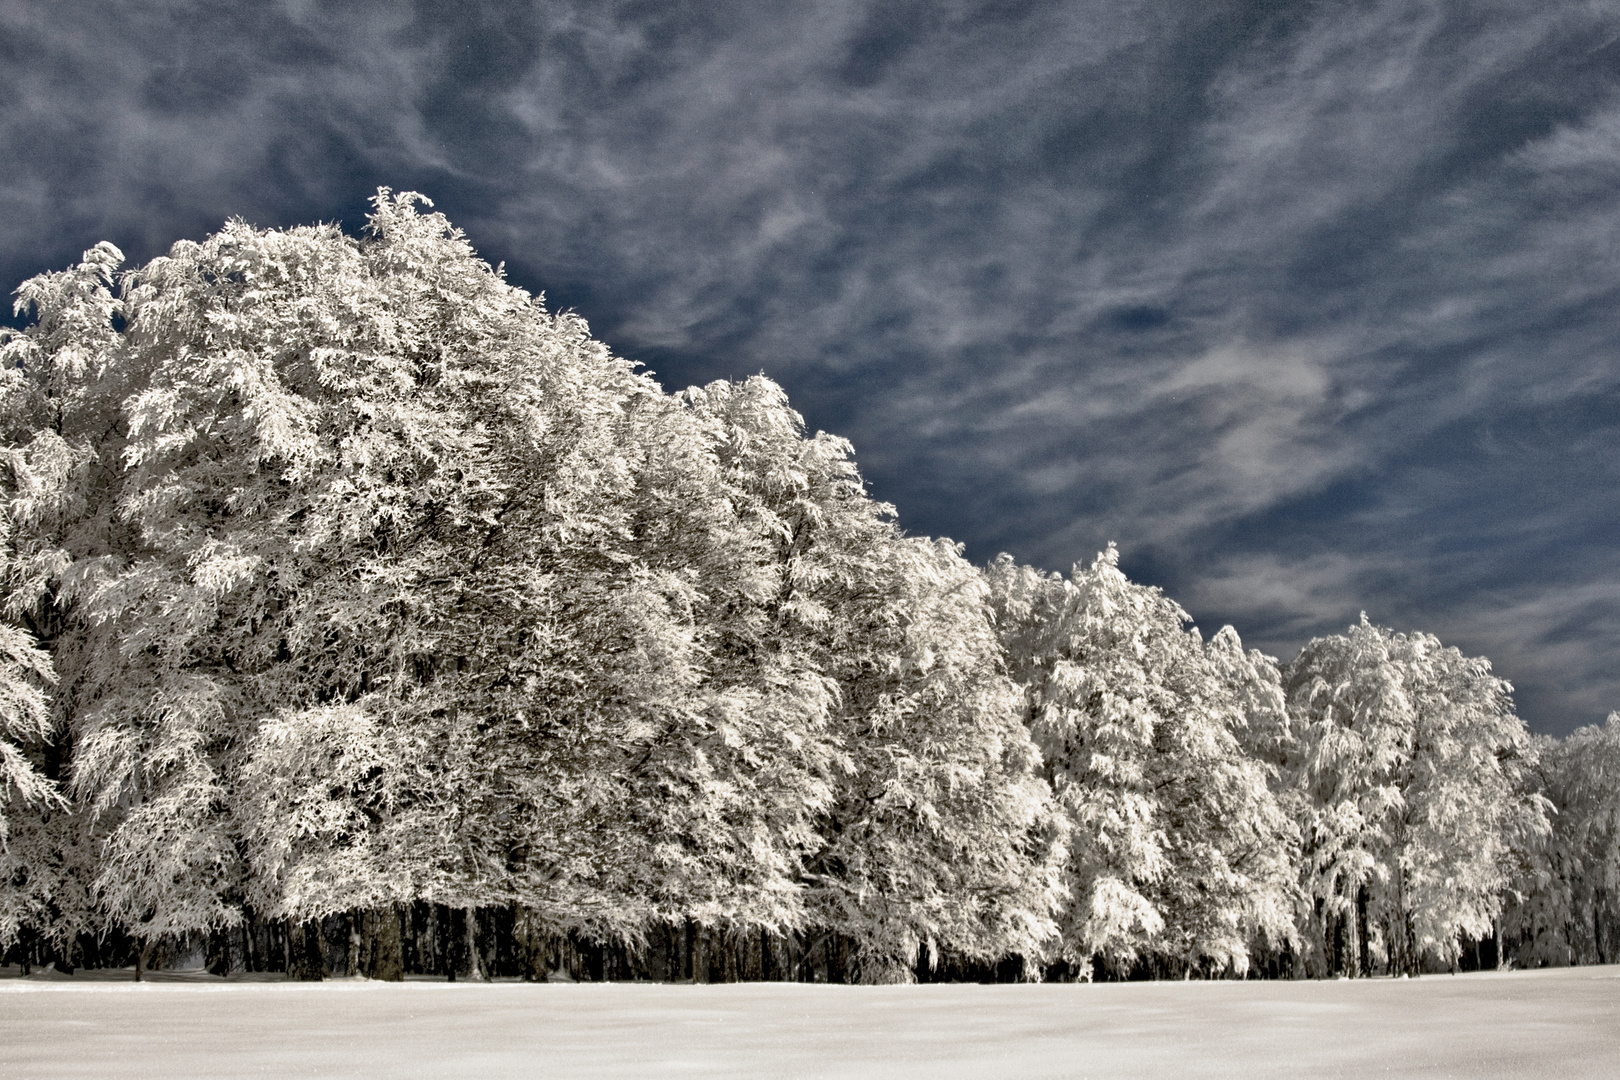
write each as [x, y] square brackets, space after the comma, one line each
[1562, 1023]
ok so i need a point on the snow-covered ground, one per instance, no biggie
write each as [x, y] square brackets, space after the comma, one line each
[1563, 1023]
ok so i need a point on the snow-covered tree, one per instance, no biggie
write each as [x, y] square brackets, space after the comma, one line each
[1179, 849]
[374, 582]
[1566, 903]
[1411, 762]
[943, 836]
[31, 885]
[938, 835]
[694, 747]
[54, 417]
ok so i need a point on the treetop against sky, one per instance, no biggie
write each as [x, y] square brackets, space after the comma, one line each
[1310, 307]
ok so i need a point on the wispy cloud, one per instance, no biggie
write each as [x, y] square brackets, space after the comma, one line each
[1279, 602]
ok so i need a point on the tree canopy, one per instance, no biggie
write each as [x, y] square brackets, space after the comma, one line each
[345, 585]
[1178, 847]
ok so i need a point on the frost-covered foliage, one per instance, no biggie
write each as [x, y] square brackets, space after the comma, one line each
[1178, 846]
[1567, 904]
[25, 723]
[1412, 764]
[371, 582]
[341, 583]
[936, 831]
[367, 616]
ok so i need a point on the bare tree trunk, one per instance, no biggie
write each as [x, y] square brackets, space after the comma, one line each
[700, 954]
[475, 968]
[444, 942]
[759, 955]
[1597, 926]
[1344, 944]
[523, 944]
[247, 941]
[386, 961]
[1364, 947]
[1400, 959]
[1317, 960]
[306, 951]
[219, 953]
[351, 961]
[363, 920]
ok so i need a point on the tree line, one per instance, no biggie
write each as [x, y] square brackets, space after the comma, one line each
[362, 616]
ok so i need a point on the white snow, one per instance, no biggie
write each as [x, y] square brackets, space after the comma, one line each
[1557, 1023]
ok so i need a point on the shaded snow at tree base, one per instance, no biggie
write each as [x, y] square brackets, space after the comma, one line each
[1548, 1023]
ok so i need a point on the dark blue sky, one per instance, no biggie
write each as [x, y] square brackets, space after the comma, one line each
[1310, 306]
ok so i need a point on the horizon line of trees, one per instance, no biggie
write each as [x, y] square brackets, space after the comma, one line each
[358, 614]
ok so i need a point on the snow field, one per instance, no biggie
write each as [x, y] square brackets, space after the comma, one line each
[1561, 1023]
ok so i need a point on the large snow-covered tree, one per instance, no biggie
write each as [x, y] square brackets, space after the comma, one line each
[938, 835]
[352, 559]
[1178, 847]
[1411, 763]
[56, 414]
[370, 582]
